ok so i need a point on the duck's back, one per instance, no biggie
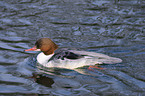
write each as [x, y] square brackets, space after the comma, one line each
[73, 59]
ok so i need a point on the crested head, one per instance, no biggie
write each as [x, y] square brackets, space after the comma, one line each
[46, 45]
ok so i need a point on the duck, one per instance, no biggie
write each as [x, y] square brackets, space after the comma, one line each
[52, 56]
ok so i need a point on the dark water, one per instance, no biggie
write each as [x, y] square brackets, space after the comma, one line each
[115, 28]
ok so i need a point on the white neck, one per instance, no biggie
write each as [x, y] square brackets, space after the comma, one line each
[42, 58]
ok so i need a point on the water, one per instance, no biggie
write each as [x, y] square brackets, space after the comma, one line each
[115, 28]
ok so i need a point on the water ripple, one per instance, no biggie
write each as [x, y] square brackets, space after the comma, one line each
[115, 28]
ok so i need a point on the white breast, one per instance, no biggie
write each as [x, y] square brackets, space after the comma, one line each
[42, 58]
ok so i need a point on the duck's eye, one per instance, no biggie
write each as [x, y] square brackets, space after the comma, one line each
[38, 46]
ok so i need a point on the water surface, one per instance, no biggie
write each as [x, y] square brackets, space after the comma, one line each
[115, 28]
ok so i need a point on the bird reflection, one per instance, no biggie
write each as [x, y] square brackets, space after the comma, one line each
[42, 79]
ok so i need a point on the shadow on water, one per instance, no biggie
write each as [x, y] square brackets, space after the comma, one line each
[115, 28]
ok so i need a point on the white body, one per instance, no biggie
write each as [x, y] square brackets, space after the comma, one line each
[91, 59]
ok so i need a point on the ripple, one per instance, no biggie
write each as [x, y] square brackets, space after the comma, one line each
[12, 80]
[115, 28]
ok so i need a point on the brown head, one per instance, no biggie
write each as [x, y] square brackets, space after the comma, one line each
[46, 45]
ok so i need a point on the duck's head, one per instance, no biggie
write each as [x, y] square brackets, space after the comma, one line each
[46, 45]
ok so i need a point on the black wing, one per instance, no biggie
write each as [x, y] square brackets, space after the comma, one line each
[61, 54]
[71, 55]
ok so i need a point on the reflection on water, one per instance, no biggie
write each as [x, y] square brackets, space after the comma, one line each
[44, 80]
[115, 28]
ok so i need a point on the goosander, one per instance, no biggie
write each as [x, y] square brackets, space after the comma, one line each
[52, 56]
